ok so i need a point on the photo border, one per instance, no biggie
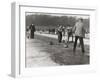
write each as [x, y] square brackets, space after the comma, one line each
[16, 58]
[49, 14]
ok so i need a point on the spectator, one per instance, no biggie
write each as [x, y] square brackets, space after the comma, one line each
[32, 29]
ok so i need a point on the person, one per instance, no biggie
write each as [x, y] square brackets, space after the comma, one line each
[32, 29]
[70, 33]
[59, 31]
[28, 32]
[79, 34]
[66, 38]
[63, 34]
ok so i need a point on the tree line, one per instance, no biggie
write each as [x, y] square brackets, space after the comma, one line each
[49, 21]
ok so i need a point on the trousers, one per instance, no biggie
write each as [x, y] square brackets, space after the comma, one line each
[81, 43]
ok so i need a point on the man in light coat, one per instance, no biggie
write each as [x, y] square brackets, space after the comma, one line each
[79, 34]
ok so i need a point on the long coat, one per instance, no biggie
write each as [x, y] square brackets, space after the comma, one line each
[32, 29]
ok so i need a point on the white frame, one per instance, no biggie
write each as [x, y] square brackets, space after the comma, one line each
[18, 41]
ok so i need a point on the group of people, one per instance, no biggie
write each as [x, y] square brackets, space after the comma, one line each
[65, 32]
[78, 30]
[31, 29]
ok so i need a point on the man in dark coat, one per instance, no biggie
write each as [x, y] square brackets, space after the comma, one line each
[59, 34]
[32, 29]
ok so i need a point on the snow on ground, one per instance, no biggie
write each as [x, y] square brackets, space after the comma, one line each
[35, 57]
[86, 40]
